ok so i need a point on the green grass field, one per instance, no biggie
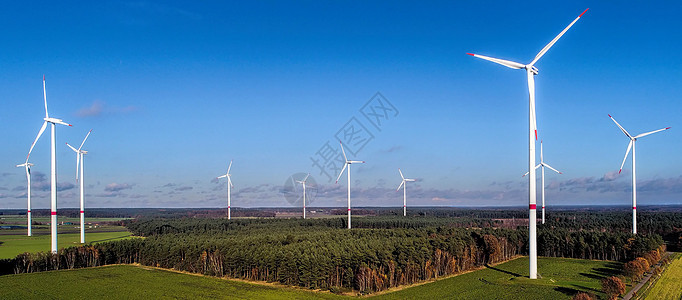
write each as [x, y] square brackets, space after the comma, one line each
[132, 282]
[562, 278]
[21, 219]
[13, 244]
[669, 286]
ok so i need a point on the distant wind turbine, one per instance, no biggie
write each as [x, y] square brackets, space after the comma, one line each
[633, 139]
[27, 165]
[347, 165]
[543, 164]
[302, 182]
[229, 185]
[403, 184]
[53, 168]
[80, 161]
[531, 71]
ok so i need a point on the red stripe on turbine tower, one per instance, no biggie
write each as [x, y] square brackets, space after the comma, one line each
[634, 207]
[82, 211]
[54, 213]
[532, 206]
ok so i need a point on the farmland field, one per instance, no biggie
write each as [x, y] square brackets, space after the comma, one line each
[669, 286]
[13, 244]
[561, 279]
[132, 282]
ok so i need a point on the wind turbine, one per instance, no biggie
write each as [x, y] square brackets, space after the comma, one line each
[229, 185]
[633, 139]
[543, 164]
[27, 165]
[303, 183]
[403, 184]
[531, 71]
[347, 164]
[53, 168]
[80, 161]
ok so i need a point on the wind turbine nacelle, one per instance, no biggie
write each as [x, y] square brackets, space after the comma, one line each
[533, 69]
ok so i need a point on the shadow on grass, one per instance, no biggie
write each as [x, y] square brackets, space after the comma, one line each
[503, 271]
[586, 288]
[566, 291]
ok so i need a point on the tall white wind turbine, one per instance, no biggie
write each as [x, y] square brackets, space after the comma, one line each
[543, 164]
[53, 168]
[80, 160]
[229, 186]
[531, 71]
[633, 139]
[347, 165]
[27, 165]
[403, 184]
[302, 182]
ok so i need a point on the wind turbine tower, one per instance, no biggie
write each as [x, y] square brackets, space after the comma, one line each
[80, 161]
[229, 186]
[531, 71]
[347, 165]
[403, 184]
[302, 182]
[633, 139]
[53, 168]
[543, 164]
[27, 165]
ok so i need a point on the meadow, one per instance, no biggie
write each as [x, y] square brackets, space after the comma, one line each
[561, 279]
[133, 282]
[669, 286]
[14, 242]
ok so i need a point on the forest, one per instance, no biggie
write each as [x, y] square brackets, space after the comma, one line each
[378, 253]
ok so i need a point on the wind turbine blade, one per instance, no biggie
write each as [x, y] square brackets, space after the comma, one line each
[536, 167]
[506, 63]
[222, 176]
[531, 93]
[356, 161]
[401, 174]
[626, 156]
[621, 127]
[62, 123]
[72, 148]
[544, 50]
[401, 185]
[229, 181]
[651, 132]
[42, 129]
[306, 177]
[341, 173]
[45, 97]
[541, 157]
[344, 152]
[229, 167]
[550, 167]
[86, 137]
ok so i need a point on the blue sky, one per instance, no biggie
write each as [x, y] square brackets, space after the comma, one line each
[174, 90]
